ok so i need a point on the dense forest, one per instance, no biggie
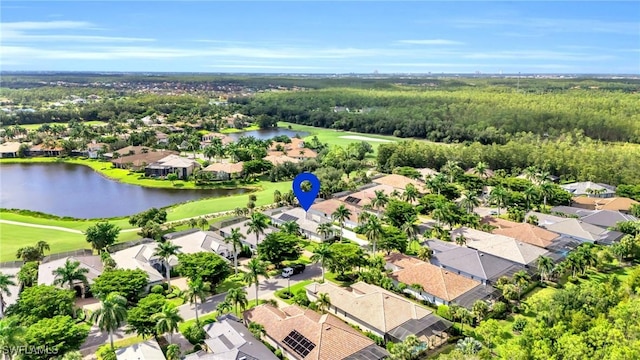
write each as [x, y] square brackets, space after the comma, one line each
[471, 113]
[572, 157]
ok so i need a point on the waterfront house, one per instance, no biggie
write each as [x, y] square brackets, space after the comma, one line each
[194, 241]
[141, 160]
[225, 171]
[92, 263]
[140, 257]
[172, 164]
[9, 149]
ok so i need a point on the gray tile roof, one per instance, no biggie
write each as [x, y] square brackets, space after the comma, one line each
[91, 263]
[576, 228]
[148, 350]
[231, 340]
[580, 188]
[606, 218]
[499, 245]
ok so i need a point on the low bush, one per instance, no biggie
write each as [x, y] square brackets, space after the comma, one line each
[106, 353]
[195, 334]
[157, 289]
[519, 324]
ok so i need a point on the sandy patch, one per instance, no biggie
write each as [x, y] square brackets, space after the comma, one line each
[363, 138]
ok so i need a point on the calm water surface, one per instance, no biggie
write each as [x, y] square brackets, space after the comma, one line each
[80, 192]
[268, 133]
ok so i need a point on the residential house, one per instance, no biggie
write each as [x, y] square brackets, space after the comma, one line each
[141, 160]
[499, 245]
[620, 204]
[9, 149]
[228, 338]
[280, 159]
[162, 138]
[488, 173]
[569, 211]
[225, 171]
[225, 139]
[92, 263]
[172, 164]
[194, 241]
[94, 148]
[364, 196]
[385, 314]
[577, 229]
[606, 218]
[438, 286]
[303, 334]
[307, 222]
[10, 297]
[127, 150]
[471, 263]
[242, 225]
[147, 350]
[325, 209]
[298, 154]
[45, 150]
[397, 181]
[524, 232]
[427, 172]
[590, 189]
[140, 257]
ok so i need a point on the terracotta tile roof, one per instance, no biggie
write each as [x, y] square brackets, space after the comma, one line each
[436, 281]
[281, 159]
[334, 339]
[524, 232]
[366, 195]
[140, 159]
[397, 181]
[228, 168]
[371, 304]
[327, 207]
[614, 203]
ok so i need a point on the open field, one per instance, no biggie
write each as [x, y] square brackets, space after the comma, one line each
[340, 138]
[90, 123]
[234, 130]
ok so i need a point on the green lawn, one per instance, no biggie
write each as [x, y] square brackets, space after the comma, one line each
[232, 282]
[13, 237]
[184, 325]
[335, 137]
[234, 130]
[36, 126]
[294, 290]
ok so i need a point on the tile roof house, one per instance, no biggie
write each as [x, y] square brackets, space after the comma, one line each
[606, 218]
[524, 232]
[298, 154]
[427, 172]
[439, 286]
[470, 262]
[576, 229]
[141, 257]
[176, 164]
[226, 140]
[379, 311]
[621, 204]
[499, 245]
[92, 263]
[569, 211]
[44, 150]
[141, 160]
[324, 209]
[398, 181]
[229, 339]
[590, 189]
[364, 197]
[9, 149]
[194, 241]
[148, 350]
[14, 290]
[303, 334]
[307, 222]
[225, 171]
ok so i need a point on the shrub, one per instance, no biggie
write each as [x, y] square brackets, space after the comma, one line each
[499, 310]
[285, 294]
[105, 353]
[444, 312]
[377, 339]
[278, 354]
[195, 334]
[519, 324]
[301, 298]
[157, 289]
[172, 296]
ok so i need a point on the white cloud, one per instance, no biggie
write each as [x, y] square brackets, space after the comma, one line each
[267, 67]
[22, 32]
[431, 42]
[45, 25]
[549, 25]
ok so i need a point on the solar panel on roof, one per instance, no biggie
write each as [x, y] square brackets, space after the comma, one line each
[300, 344]
[352, 200]
[287, 218]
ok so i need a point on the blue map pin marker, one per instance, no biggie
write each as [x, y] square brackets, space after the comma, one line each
[306, 198]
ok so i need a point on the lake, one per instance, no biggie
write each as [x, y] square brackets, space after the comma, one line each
[78, 191]
[264, 134]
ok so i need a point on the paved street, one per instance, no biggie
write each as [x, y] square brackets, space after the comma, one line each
[266, 289]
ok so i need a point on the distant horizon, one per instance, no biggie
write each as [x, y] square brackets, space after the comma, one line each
[321, 37]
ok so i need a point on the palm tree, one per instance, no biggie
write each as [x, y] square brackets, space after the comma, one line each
[341, 214]
[237, 297]
[451, 168]
[520, 280]
[480, 309]
[373, 231]
[531, 173]
[481, 169]
[258, 223]
[203, 223]
[193, 223]
[235, 239]
[410, 193]
[291, 228]
[69, 273]
[325, 230]
[11, 333]
[530, 194]
[436, 183]
[410, 230]
[464, 315]
[257, 330]
[256, 268]
[321, 255]
[545, 267]
[5, 282]
[380, 200]
[469, 201]
[165, 250]
[167, 320]
[112, 313]
[499, 196]
[425, 253]
[461, 240]
[42, 246]
[546, 189]
[469, 346]
[323, 302]
[197, 289]
[277, 196]
[173, 352]
[224, 306]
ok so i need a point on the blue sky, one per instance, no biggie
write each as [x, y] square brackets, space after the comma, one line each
[321, 37]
